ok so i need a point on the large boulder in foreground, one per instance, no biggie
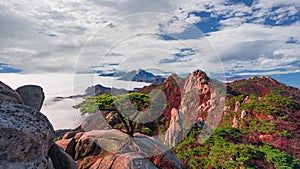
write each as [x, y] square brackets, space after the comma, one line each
[114, 149]
[129, 160]
[32, 96]
[26, 137]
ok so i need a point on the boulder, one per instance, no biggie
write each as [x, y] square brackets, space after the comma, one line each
[117, 161]
[8, 94]
[69, 134]
[243, 114]
[61, 159]
[234, 122]
[26, 136]
[68, 145]
[41, 162]
[237, 106]
[26, 139]
[114, 149]
[86, 147]
[32, 96]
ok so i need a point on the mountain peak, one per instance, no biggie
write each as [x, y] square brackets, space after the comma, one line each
[141, 75]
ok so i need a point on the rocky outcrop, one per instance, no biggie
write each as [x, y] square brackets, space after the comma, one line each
[128, 160]
[237, 106]
[32, 96]
[8, 94]
[26, 136]
[68, 145]
[235, 122]
[174, 132]
[26, 139]
[61, 159]
[114, 149]
[85, 146]
[202, 98]
[195, 92]
[243, 114]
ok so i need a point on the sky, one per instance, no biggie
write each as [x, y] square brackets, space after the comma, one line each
[221, 37]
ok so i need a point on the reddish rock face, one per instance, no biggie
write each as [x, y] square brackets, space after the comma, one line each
[172, 88]
[115, 161]
[86, 147]
[174, 132]
[105, 149]
[68, 146]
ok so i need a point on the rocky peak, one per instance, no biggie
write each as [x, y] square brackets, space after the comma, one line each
[26, 134]
[142, 76]
[196, 91]
[197, 80]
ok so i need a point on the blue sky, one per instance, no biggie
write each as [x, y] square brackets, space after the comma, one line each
[239, 38]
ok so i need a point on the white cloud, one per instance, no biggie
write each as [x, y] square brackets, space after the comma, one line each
[49, 36]
[256, 47]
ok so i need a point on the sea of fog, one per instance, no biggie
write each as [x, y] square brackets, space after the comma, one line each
[60, 112]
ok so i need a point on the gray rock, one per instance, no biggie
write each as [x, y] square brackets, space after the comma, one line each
[26, 134]
[8, 94]
[32, 96]
[25, 137]
[42, 162]
[117, 161]
[60, 159]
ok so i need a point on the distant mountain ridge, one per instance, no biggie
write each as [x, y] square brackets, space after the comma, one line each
[137, 76]
[5, 68]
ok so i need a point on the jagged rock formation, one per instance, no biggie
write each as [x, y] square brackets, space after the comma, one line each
[26, 135]
[174, 132]
[194, 96]
[259, 128]
[237, 106]
[243, 114]
[101, 149]
[32, 96]
[235, 122]
[202, 99]
[194, 93]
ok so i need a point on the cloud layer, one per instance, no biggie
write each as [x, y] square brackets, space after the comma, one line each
[240, 36]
